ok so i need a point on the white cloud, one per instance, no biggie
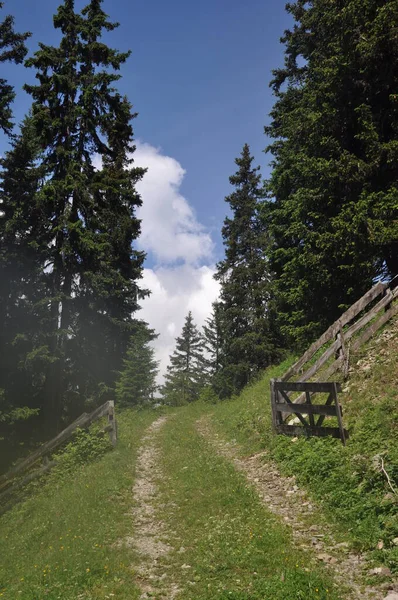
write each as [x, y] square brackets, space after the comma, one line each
[175, 291]
[169, 227]
[182, 278]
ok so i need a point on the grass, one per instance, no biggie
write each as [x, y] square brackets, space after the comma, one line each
[60, 543]
[234, 548]
[347, 482]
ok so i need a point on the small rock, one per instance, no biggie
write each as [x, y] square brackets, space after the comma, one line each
[324, 557]
[391, 596]
[380, 545]
[395, 541]
[381, 571]
[186, 566]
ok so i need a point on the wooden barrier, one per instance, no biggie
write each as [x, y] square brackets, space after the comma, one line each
[8, 482]
[282, 405]
[342, 346]
[388, 293]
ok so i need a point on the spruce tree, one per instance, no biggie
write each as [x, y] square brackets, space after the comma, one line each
[83, 215]
[333, 197]
[21, 275]
[12, 49]
[185, 375]
[137, 380]
[245, 282]
[213, 341]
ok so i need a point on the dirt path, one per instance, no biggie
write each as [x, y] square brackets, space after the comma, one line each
[284, 498]
[151, 535]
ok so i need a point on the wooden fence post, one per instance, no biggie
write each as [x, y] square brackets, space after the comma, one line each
[112, 423]
[338, 413]
[344, 352]
[273, 407]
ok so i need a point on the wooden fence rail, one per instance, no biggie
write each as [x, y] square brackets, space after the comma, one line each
[8, 481]
[389, 293]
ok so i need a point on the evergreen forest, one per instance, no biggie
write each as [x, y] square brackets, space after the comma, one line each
[300, 246]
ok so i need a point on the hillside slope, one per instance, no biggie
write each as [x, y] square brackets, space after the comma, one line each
[356, 485]
[161, 516]
[61, 542]
[205, 502]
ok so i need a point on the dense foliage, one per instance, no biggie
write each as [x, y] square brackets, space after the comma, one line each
[332, 212]
[12, 49]
[213, 342]
[137, 380]
[69, 270]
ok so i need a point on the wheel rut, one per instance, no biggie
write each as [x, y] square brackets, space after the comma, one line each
[283, 497]
[151, 535]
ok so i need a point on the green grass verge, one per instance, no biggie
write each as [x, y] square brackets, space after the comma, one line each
[60, 542]
[234, 548]
[347, 482]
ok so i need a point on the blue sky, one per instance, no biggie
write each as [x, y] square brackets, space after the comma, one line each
[199, 78]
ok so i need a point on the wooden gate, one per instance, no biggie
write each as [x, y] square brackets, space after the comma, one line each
[283, 405]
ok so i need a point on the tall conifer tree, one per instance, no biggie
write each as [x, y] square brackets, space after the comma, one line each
[245, 281]
[21, 274]
[12, 49]
[84, 213]
[333, 208]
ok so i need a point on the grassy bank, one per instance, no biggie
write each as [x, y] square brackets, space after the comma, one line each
[232, 547]
[60, 543]
[349, 482]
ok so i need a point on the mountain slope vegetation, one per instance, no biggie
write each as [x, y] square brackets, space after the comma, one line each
[356, 485]
[213, 538]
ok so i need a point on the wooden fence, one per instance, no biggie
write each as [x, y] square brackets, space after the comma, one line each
[282, 404]
[12, 481]
[343, 345]
[346, 336]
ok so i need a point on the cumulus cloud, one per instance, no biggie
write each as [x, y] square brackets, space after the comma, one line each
[175, 291]
[169, 230]
[181, 278]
